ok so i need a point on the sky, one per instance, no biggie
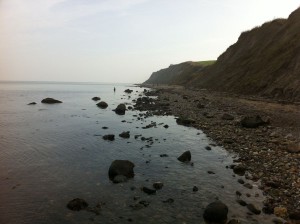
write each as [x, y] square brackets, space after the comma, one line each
[120, 41]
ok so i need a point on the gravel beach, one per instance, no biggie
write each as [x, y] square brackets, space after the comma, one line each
[270, 153]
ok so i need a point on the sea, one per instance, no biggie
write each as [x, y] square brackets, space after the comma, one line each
[51, 154]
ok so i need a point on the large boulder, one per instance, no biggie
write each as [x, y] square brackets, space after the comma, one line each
[121, 167]
[253, 121]
[77, 204]
[216, 212]
[128, 91]
[102, 104]
[120, 109]
[185, 157]
[50, 101]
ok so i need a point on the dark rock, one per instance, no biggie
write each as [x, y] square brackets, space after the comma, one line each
[104, 127]
[77, 204]
[239, 169]
[241, 202]
[128, 91]
[185, 157]
[208, 115]
[208, 148]
[125, 134]
[228, 141]
[148, 190]
[169, 200]
[293, 148]
[247, 185]
[102, 105]
[120, 110]
[227, 117]
[121, 167]
[158, 185]
[295, 215]
[252, 208]
[211, 172]
[119, 179]
[272, 184]
[50, 101]
[109, 137]
[32, 103]
[241, 181]
[253, 122]
[163, 155]
[216, 212]
[145, 203]
[195, 189]
[166, 126]
[234, 221]
[184, 121]
[238, 194]
[200, 106]
[96, 98]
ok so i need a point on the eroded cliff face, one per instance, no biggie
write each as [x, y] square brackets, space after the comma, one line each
[178, 74]
[264, 61]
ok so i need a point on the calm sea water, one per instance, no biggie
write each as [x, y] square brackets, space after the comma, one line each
[51, 154]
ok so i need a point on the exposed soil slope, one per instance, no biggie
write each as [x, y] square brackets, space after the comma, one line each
[265, 60]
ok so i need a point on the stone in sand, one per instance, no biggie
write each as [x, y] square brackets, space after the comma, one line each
[253, 121]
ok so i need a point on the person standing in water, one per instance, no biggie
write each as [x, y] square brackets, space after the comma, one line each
[114, 89]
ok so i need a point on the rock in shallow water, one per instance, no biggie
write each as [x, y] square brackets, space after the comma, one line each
[119, 179]
[109, 137]
[185, 157]
[125, 134]
[96, 98]
[148, 190]
[158, 185]
[50, 101]
[121, 167]
[102, 105]
[216, 212]
[120, 110]
[77, 204]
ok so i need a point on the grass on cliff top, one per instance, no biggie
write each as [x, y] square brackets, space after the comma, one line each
[204, 63]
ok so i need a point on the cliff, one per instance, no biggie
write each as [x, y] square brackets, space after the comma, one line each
[264, 61]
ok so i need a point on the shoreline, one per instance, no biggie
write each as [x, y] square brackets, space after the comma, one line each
[270, 152]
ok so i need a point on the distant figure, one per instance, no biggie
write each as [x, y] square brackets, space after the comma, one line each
[114, 89]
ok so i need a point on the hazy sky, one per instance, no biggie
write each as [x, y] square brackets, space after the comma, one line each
[120, 40]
